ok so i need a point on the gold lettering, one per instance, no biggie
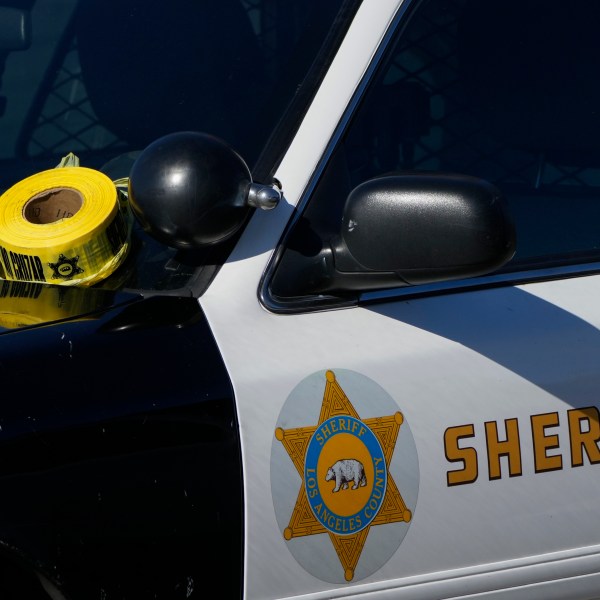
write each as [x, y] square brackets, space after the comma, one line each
[510, 447]
[454, 454]
[542, 442]
[584, 440]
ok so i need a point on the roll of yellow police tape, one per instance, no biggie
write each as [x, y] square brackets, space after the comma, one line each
[64, 226]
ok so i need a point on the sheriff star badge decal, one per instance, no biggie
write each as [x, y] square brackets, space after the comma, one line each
[343, 463]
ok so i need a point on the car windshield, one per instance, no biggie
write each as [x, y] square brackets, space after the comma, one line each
[104, 78]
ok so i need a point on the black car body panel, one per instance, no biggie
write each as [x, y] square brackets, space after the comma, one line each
[119, 453]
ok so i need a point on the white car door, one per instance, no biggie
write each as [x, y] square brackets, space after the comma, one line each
[440, 439]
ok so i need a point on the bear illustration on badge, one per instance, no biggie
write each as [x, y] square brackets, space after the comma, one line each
[344, 475]
[346, 471]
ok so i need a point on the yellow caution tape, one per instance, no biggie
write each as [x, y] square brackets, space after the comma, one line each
[23, 303]
[65, 225]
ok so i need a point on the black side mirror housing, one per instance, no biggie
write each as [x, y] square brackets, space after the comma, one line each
[425, 228]
[401, 230]
[191, 190]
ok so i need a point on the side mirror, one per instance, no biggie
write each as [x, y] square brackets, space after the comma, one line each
[405, 230]
[191, 190]
[425, 228]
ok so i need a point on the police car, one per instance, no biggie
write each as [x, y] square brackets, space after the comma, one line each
[353, 349]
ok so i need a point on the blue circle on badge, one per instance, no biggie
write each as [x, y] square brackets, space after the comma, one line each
[345, 475]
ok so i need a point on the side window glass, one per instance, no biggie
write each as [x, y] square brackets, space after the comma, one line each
[505, 90]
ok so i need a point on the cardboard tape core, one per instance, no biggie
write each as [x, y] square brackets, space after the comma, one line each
[52, 205]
